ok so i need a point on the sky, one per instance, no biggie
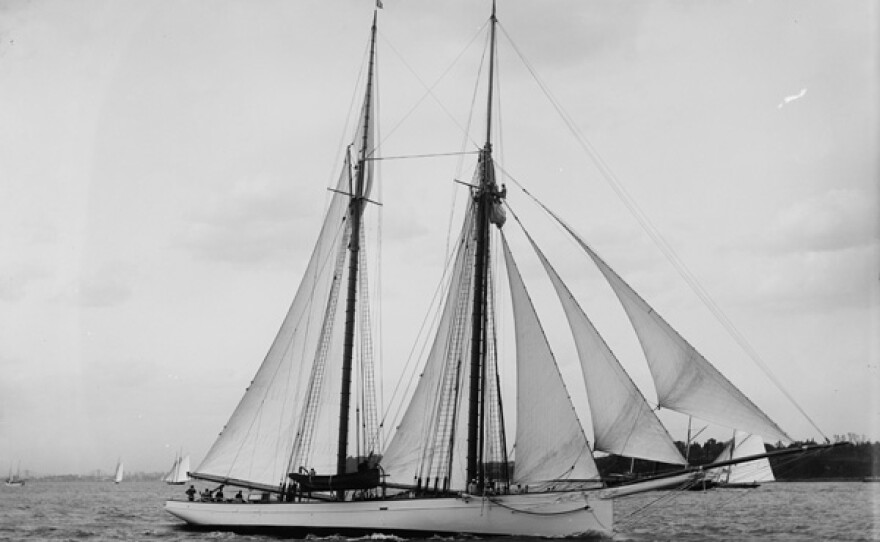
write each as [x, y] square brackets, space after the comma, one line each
[164, 168]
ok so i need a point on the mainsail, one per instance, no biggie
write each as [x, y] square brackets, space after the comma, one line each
[283, 421]
[423, 442]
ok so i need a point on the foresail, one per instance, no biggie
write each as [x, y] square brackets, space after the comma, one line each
[256, 443]
[623, 423]
[685, 381]
[550, 442]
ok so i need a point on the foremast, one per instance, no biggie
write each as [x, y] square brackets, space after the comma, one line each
[355, 216]
[485, 195]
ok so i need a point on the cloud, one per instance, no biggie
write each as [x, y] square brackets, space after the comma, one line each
[252, 221]
[838, 219]
[791, 98]
[14, 281]
[109, 286]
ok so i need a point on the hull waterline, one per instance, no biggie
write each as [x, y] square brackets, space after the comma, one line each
[545, 514]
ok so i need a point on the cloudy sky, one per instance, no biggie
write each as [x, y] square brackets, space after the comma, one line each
[164, 165]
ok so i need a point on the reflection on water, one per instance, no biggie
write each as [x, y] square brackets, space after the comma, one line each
[778, 511]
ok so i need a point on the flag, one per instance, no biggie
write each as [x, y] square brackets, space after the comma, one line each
[379, 4]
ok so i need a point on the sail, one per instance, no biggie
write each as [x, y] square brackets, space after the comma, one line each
[420, 446]
[685, 381]
[623, 423]
[172, 474]
[550, 442]
[744, 445]
[119, 473]
[288, 416]
[179, 472]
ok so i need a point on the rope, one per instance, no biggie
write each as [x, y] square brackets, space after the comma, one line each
[434, 155]
[531, 513]
[645, 222]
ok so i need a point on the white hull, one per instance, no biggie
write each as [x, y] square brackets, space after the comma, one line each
[14, 484]
[536, 514]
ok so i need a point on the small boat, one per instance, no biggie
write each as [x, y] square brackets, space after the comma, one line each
[15, 480]
[750, 474]
[179, 473]
[307, 440]
[117, 477]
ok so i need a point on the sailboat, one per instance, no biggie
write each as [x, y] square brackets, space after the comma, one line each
[117, 477]
[743, 475]
[453, 462]
[179, 473]
[15, 480]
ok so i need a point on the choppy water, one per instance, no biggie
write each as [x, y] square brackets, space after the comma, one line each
[781, 511]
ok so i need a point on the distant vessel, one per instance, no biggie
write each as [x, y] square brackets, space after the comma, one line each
[15, 480]
[179, 473]
[743, 475]
[119, 472]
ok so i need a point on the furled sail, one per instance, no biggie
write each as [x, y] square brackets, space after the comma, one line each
[623, 423]
[550, 442]
[685, 381]
[744, 445]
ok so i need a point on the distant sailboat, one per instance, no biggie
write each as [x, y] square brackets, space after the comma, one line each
[179, 473]
[15, 480]
[749, 474]
[119, 471]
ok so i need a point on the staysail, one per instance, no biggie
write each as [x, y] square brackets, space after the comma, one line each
[550, 442]
[685, 381]
[623, 422]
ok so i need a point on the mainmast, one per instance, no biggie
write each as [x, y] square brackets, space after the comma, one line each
[355, 213]
[484, 195]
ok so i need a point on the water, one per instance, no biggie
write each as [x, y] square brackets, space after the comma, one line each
[781, 511]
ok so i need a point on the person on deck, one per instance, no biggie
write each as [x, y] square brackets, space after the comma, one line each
[191, 493]
[218, 496]
[239, 497]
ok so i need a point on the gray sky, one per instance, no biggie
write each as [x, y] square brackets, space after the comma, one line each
[163, 168]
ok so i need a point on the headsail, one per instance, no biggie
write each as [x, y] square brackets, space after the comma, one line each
[623, 423]
[685, 381]
[550, 442]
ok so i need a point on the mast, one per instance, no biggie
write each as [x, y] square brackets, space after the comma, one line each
[483, 199]
[355, 213]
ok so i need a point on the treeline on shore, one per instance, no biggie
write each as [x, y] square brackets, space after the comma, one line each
[854, 461]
